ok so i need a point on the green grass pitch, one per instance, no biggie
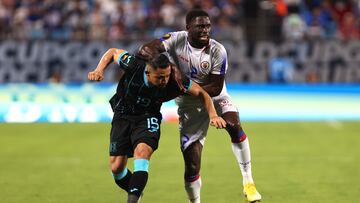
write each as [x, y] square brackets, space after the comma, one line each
[299, 162]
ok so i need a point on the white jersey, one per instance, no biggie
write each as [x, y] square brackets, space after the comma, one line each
[195, 63]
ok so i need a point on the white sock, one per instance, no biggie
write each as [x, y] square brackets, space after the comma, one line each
[242, 153]
[193, 190]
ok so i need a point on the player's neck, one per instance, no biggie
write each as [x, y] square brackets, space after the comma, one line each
[196, 45]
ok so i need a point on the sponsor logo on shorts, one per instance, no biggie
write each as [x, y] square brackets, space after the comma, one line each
[133, 190]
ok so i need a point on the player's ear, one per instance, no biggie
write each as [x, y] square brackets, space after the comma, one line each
[187, 26]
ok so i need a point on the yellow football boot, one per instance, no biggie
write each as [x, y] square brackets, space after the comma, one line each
[251, 194]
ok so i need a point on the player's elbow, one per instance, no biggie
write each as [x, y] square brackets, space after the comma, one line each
[112, 50]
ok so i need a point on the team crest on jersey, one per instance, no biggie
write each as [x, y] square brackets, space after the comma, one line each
[166, 36]
[204, 65]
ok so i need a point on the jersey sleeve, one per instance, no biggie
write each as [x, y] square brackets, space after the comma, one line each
[220, 61]
[183, 86]
[126, 61]
[170, 39]
[187, 82]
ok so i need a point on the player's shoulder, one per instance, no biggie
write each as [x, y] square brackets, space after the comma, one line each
[128, 60]
[178, 35]
[181, 33]
[217, 48]
[125, 57]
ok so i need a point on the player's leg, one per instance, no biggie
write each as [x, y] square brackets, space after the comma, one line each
[145, 139]
[139, 179]
[241, 150]
[192, 159]
[194, 123]
[121, 174]
[240, 145]
[120, 148]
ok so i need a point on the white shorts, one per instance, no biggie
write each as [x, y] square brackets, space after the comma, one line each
[194, 119]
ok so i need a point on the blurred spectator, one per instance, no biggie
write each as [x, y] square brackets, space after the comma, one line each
[340, 8]
[76, 19]
[142, 19]
[349, 29]
[281, 7]
[169, 12]
[294, 27]
[281, 69]
[98, 29]
[224, 29]
[319, 20]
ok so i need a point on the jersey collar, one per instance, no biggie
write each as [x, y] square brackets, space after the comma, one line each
[191, 48]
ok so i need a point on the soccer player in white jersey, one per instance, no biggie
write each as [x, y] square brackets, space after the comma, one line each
[205, 61]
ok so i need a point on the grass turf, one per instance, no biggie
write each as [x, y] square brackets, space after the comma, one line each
[292, 162]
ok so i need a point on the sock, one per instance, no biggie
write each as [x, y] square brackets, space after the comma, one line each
[123, 179]
[138, 179]
[192, 187]
[241, 151]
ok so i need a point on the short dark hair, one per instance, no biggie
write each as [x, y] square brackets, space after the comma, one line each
[191, 15]
[160, 61]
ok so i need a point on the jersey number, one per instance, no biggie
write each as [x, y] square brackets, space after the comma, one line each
[193, 72]
[153, 124]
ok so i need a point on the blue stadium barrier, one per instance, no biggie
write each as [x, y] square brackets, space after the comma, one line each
[88, 102]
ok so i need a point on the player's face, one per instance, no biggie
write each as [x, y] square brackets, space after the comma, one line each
[199, 31]
[159, 77]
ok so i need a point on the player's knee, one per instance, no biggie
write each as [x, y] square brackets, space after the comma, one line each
[143, 151]
[192, 158]
[235, 131]
[238, 137]
[117, 163]
[116, 167]
[192, 169]
[232, 121]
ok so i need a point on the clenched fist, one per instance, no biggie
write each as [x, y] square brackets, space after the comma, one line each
[96, 75]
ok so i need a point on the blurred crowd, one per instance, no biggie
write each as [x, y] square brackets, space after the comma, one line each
[143, 19]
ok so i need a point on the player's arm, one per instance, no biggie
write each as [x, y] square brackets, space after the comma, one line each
[215, 85]
[110, 55]
[215, 120]
[217, 75]
[149, 50]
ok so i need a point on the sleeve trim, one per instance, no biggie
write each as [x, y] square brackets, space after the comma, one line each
[189, 86]
[121, 55]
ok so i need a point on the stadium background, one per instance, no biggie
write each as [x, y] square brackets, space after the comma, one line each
[289, 60]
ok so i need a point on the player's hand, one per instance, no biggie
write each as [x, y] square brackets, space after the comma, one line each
[147, 53]
[177, 76]
[217, 122]
[96, 75]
